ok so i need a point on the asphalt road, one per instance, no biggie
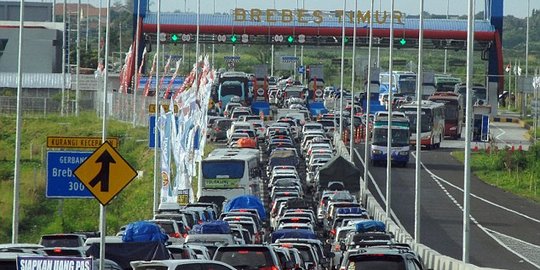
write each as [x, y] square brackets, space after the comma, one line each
[504, 230]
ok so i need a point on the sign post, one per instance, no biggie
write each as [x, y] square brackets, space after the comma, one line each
[484, 133]
[105, 173]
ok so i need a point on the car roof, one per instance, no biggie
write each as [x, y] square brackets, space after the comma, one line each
[173, 263]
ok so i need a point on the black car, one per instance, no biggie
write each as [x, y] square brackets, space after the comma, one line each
[219, 129]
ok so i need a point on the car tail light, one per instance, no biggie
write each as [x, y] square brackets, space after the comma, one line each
[333, 232]
[184, 235]
[273, 267]
[243, 252]
[57, 250]
[174, 235]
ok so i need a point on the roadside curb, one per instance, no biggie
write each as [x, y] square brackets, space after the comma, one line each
[521, 123]
[505, 119]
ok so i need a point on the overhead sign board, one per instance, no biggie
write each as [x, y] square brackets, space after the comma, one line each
[231, 59]
[177, 83]
[61, 182]
[289, 59]
[105, 173]
[78, 142]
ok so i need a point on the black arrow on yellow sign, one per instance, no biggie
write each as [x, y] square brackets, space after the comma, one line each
[103, 175]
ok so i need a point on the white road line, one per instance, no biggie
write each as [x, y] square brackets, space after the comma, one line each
[488, 232]
[502, 133]
[396, 219]
[477, 197]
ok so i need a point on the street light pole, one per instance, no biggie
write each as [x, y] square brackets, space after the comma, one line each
[86, 39]
[351, 137]
[419, 93]
[64, 58]
[18, 127]
[136, 77]
[445, 50]
[342, 70]
[389, 133]
[368, 106]
[468, 133]
[78, 48]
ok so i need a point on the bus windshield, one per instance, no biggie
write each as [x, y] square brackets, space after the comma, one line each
[222, 173]
[407, 84]
[234, 88]
[426, 119]
[479, 93]
[400, 137]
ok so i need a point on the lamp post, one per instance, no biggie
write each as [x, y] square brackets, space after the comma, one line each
[368, 106]
[419, 93]
[342, 70]
[351, 137]
[389, 133]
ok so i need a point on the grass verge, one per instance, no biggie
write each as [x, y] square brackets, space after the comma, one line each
[516, 172]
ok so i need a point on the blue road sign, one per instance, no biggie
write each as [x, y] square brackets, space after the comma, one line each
[484, 132]
[152, 131]
[61, 182]
[301, 69]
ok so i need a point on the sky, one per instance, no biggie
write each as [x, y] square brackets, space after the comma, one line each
[517, 8]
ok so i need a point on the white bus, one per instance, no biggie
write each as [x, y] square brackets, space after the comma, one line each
[229, 172]
[432, 126]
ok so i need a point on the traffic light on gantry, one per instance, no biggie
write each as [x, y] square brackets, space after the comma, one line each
[290, 39]
[174, 38]
[403, 42]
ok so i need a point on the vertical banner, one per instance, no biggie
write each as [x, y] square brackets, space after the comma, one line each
[164, 124]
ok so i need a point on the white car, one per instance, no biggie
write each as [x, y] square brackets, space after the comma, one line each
[296, 226]
[239, 125]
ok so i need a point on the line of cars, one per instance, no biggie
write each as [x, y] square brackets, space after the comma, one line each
[299, 235]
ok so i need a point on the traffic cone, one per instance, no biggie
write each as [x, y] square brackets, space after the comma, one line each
[512, 149]
[475, 149]
[520, 148]
[356, 135]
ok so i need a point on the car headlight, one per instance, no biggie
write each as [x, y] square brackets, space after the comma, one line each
[403, 153]
[376, 152]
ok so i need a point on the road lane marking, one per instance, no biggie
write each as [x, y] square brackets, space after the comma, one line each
[488, 232]
[393, 214]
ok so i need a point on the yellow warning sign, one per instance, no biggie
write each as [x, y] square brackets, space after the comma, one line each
[105, 173]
